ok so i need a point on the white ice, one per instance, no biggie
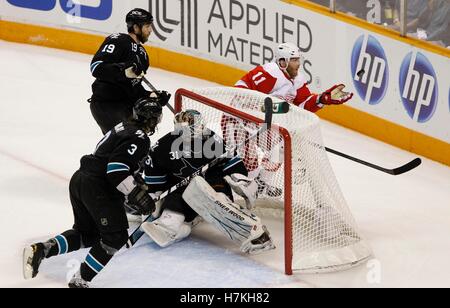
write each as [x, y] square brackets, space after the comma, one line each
[46, 126]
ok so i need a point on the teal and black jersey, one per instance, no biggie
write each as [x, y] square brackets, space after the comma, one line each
[107, 66]
[172, 160]
[119, 154]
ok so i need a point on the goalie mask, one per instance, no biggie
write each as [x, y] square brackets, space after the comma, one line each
[286, 52]
[147, 113]
[189, 122]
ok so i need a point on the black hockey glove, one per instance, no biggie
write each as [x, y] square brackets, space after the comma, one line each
[131, 69]
[138, 200]
[163, 97]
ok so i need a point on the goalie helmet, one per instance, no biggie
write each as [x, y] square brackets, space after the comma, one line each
[190, 122]
[286, 51]
[138, 17]
[147, 113]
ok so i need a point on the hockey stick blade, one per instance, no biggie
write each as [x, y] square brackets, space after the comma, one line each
[396, 171]
[407, 167]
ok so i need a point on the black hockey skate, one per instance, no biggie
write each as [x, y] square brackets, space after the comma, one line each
[260, 244]
[32, 258]
[77, 282]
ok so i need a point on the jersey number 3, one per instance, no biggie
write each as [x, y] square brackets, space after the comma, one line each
[133, 149]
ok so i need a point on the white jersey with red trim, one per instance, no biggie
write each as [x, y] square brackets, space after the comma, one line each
[270, 79]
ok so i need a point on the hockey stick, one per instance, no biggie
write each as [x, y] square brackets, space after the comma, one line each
[137, 233]
[145, 80]
[148, 83]
[396, 171]
[284, 108]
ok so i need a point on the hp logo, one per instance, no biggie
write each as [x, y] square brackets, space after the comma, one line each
[418, 87]
[370, 69]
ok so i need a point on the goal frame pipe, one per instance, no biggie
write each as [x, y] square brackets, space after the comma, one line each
[288, 236]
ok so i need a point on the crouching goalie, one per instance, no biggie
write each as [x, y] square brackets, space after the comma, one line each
[178, 155]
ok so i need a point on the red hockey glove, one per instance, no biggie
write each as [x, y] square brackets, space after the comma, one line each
[335, 96]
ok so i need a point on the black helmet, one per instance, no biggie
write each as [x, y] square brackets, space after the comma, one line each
[138, 17]
[147, 113]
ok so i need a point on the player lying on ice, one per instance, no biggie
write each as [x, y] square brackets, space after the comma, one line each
[178, 155]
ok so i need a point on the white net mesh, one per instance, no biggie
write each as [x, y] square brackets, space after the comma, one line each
[324, 233]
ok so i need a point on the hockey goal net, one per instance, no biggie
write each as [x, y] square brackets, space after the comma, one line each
[291, 165]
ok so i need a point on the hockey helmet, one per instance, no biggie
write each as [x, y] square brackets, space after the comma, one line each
[138, 17]
[286, 51]
[147, 112]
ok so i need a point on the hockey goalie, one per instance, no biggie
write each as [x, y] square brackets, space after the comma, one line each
[179, 154]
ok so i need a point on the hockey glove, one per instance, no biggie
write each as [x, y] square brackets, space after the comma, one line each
[335, 96]
[163, 97]
[244, 187]
[139, 200]
[132, 70]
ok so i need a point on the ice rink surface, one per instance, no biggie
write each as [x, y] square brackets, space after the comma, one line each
[46, 127]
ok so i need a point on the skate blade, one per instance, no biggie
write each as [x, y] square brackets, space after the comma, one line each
[27, 268]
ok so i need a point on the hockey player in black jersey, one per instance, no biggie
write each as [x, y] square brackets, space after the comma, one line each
[178, 155]
[117, 67]
[98, 190]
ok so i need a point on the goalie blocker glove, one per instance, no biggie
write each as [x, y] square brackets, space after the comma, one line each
[335, 96]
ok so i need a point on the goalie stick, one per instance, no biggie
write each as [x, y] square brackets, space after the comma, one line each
[284, 107]
[137, 233]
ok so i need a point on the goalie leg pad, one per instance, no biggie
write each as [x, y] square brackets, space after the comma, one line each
[244, 187]
[236, 223]
[168, 229]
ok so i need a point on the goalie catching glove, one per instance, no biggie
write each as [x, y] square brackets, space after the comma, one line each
[335, 96]
[244, 187]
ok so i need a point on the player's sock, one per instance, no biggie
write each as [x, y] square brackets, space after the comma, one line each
[94, 263]
[64, 243]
